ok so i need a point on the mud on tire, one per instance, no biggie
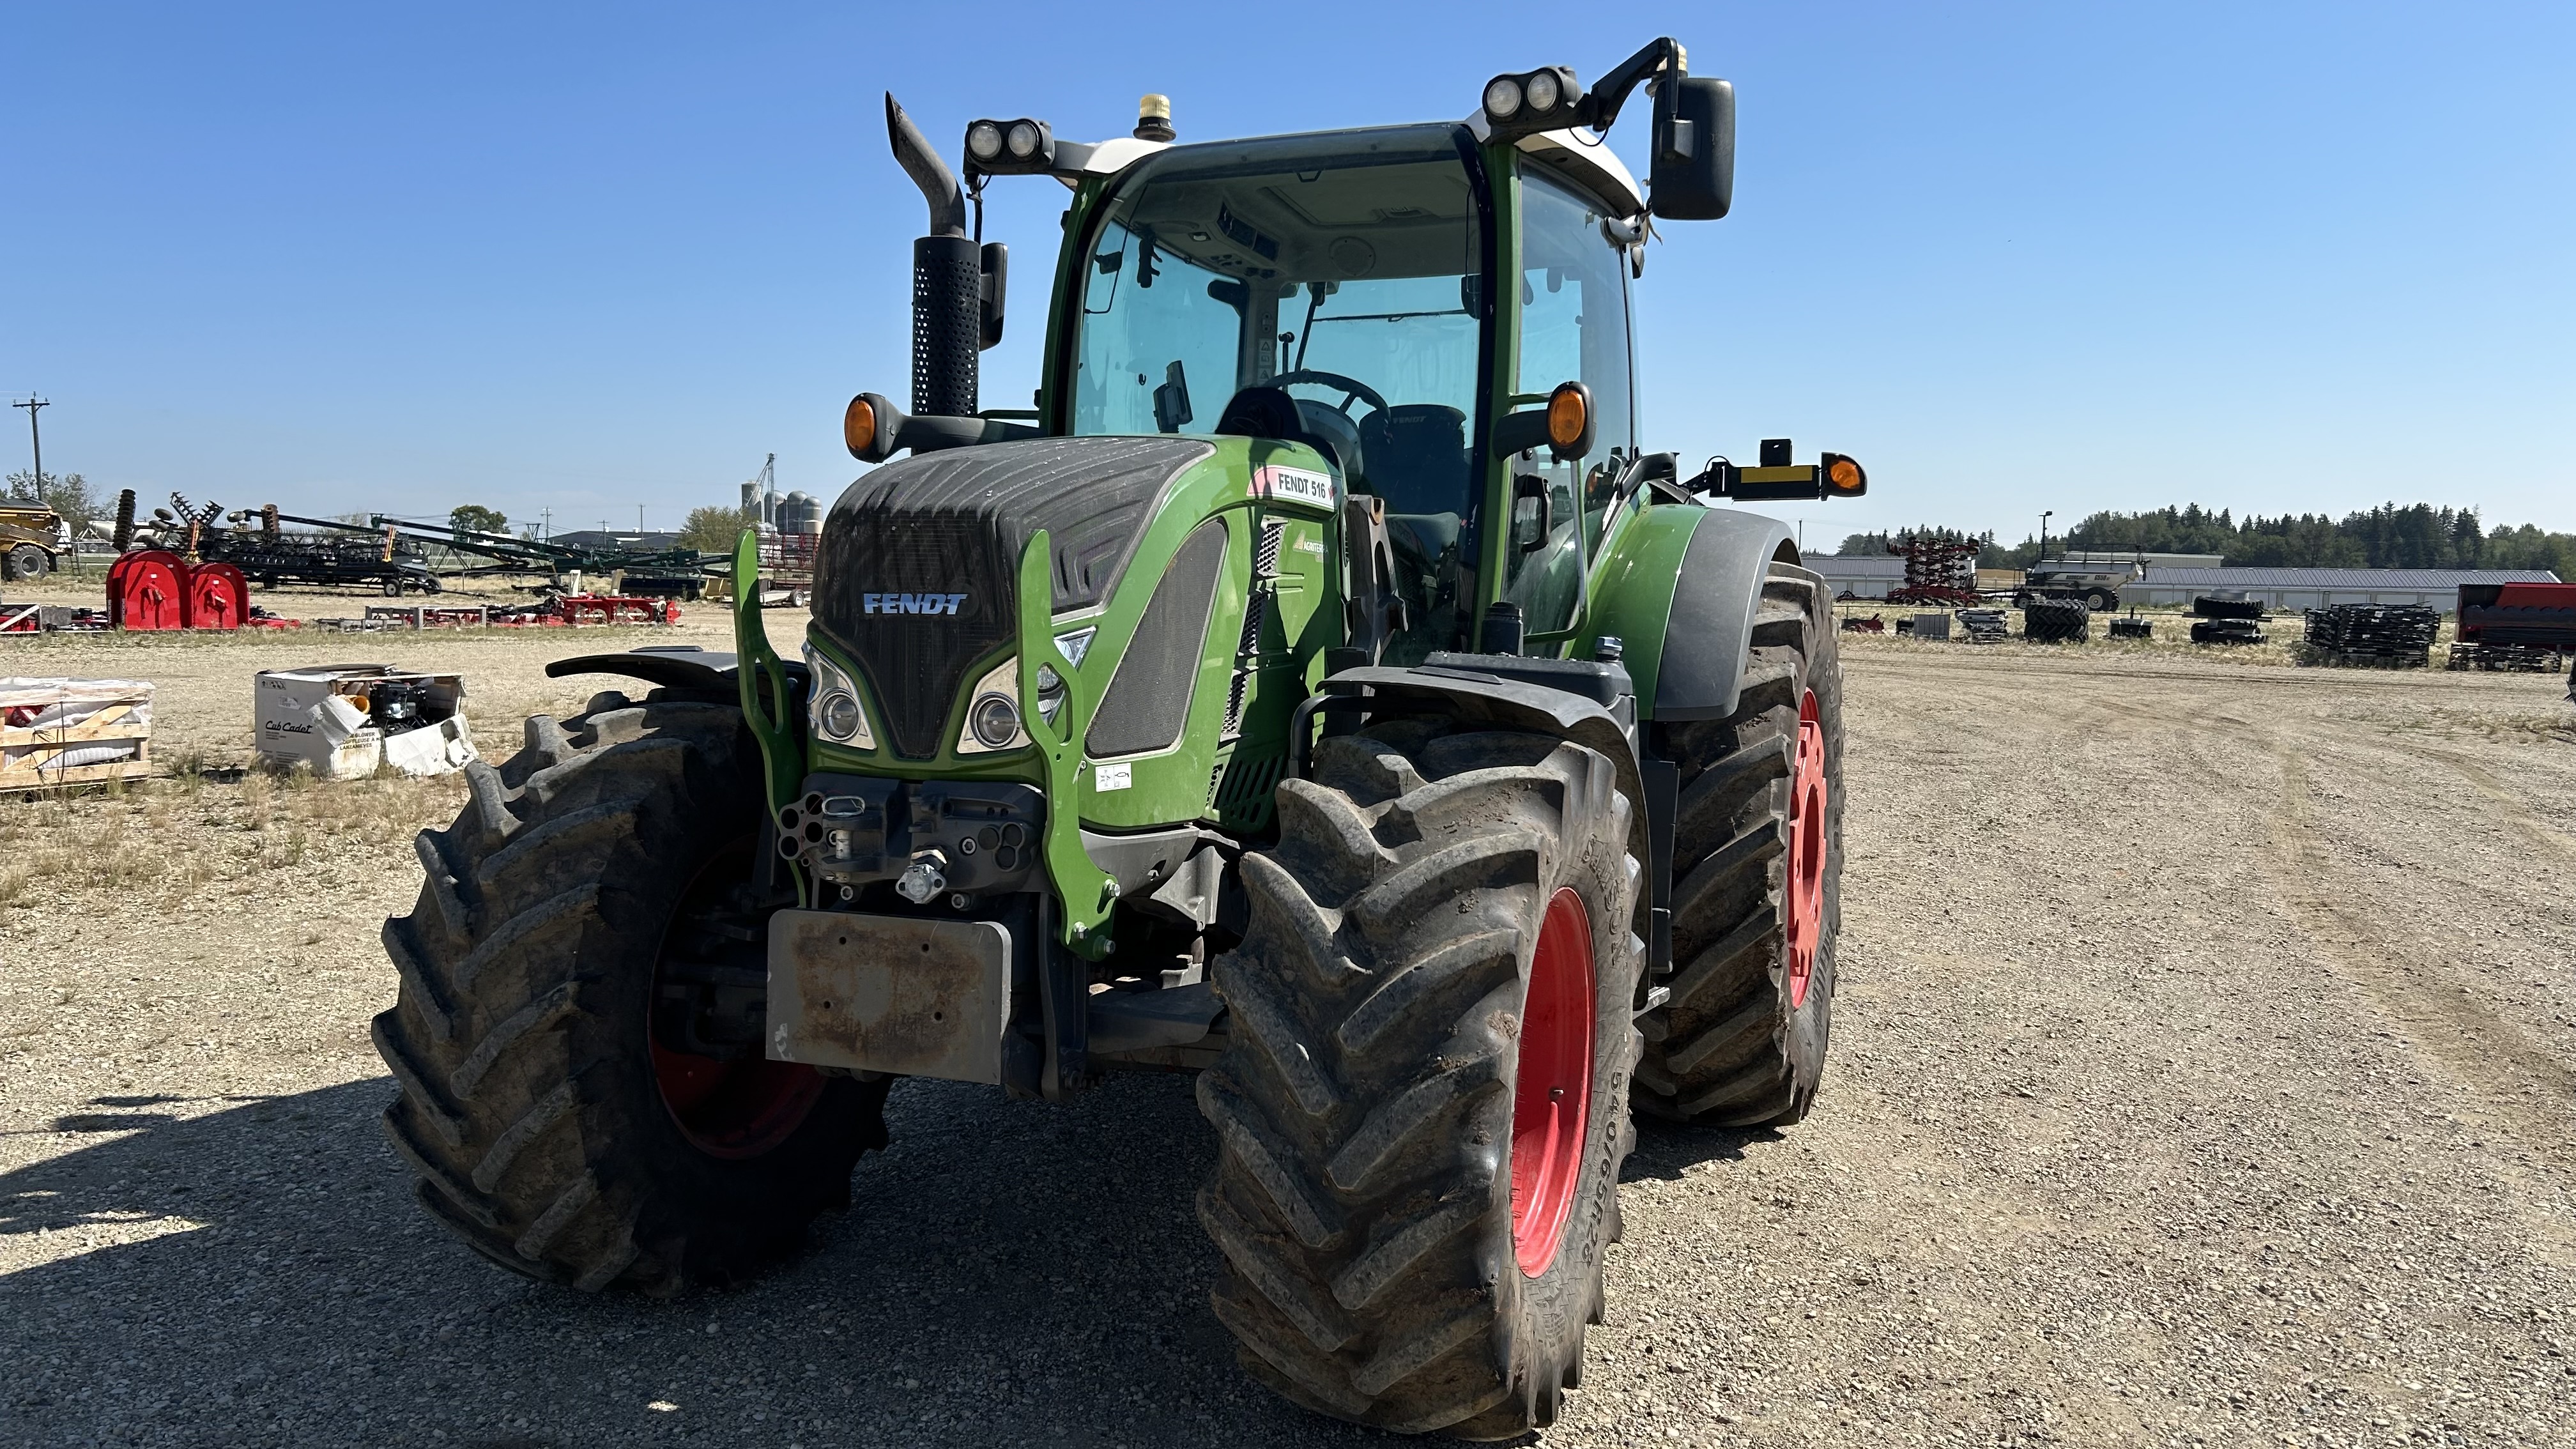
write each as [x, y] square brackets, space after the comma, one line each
[1740, 1041]
[1366, 1102]
[530, 1104]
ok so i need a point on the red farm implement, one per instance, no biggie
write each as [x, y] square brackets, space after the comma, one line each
[2515, 626]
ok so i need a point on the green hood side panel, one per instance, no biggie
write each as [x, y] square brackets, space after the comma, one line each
[1632, 591]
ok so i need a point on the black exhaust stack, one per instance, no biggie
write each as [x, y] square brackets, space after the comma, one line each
[947, 281]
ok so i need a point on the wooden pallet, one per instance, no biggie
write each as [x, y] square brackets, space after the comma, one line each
[28, 752]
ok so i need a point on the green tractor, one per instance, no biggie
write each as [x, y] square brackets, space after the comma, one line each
[1320, 690]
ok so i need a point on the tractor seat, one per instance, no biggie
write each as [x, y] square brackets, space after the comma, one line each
[1261, 411]
[1418, 458]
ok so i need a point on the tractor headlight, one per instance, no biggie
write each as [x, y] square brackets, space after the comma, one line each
[1023, 140]
[1542, 91]
[1503, 97]
[833, 711]
[984, 140]
[995, 721]
[838, 714]
[993, 712]
[1050, 693]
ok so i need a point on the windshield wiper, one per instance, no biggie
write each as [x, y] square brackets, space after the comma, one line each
[1311, 319]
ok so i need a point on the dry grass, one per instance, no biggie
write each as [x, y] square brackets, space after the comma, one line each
[189, 840]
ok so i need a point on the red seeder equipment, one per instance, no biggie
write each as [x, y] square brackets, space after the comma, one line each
[1937, 571]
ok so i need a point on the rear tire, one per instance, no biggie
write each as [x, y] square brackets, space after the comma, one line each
[1413, 1216]
[1743, 1039]
[549, 1127]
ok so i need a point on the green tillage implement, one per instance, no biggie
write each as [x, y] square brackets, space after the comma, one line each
[1321, 691]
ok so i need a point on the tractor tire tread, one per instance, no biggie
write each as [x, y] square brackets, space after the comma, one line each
[1365, 1087]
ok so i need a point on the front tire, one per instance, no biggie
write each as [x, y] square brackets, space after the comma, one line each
[27, 561]
[562, 1119]
[1757, 880]
[1422, 1105]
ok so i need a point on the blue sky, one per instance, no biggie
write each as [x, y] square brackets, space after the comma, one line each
[2014, 257]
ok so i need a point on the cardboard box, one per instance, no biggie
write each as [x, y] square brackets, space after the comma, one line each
[347, 720]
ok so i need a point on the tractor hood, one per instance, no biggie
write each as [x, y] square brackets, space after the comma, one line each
[915, 578]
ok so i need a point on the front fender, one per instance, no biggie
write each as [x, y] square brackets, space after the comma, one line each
[1679, 590]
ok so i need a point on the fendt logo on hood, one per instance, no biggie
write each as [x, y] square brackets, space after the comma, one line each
[911, 603]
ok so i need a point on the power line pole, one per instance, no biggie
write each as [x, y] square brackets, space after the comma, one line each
[639, 518]
[549, 515]
[35, 438]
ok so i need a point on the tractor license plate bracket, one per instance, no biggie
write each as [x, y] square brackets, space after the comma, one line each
[909, 996]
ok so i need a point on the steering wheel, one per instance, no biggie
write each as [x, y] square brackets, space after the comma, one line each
[1352, 388]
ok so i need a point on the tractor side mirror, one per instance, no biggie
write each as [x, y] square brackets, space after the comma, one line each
[1533, 516]
[1172, 399]
[1694, 149]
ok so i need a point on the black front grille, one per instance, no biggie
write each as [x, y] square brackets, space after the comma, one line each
[918, 569]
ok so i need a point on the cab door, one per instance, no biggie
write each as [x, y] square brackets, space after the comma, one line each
[1574, 326]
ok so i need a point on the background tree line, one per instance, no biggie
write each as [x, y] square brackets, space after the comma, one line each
[2390, 536]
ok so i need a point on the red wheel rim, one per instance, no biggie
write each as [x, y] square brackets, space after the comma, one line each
[731, 1109]
[735, 1109]
[1552, 1091]
[1807, 844]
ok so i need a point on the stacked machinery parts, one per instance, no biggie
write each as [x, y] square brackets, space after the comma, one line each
[1938, 570]
[2056, 621]
[2133, 627]
[2515, 626]
[2226, 631]
[1985, 626]
[2381, 636]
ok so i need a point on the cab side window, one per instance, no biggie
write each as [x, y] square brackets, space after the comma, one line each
[1574, 326]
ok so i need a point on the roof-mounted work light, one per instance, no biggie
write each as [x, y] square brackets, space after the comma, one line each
[1523, 104]
[1008, 148]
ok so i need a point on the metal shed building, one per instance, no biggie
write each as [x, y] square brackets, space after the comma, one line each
[2319, 588]
[1867, 576]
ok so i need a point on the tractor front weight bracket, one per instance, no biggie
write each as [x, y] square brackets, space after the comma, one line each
[1085, 891]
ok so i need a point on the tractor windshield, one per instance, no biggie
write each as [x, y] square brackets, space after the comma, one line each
[1321, 288]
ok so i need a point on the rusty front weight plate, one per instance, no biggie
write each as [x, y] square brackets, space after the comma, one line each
[909, 996]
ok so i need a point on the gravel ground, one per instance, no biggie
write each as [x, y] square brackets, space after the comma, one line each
[2206, 1053]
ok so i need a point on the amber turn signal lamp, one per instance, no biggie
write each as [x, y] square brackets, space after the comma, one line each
[1844, 477]
[1569, 416]
[1569, 420]
[859, 426]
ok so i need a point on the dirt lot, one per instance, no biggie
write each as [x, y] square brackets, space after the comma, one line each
[2205, 1062]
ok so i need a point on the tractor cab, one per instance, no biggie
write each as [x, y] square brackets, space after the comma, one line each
[1341, 291]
